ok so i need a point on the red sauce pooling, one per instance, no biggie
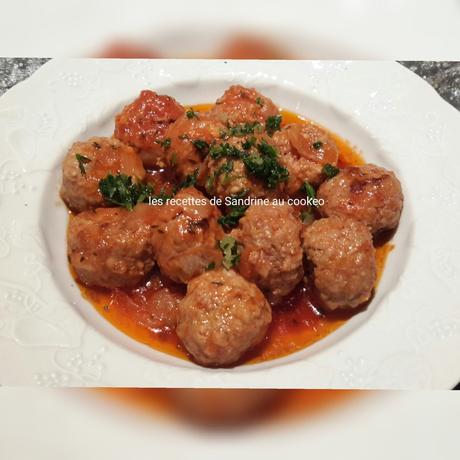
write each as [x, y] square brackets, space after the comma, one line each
[142, 313]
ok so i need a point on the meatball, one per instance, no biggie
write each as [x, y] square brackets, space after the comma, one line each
[228, 176]
[184, 153]
[343, 257]
[143, 124]
[243, 105]
[304, 150]
[367, 193]
[271, 254]
[186, 236]
[110, 247]
[88, 162]
[221, 317]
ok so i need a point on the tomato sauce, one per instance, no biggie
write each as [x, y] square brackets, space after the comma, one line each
[144, 313]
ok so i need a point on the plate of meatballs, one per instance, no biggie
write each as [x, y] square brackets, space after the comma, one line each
[220, 221]
[217, 198]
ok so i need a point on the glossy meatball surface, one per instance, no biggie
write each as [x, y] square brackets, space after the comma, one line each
[88, 162]
[184, 154]
[143, 125]
[367, 193]
[186, 236]
[243, 105]
[221, 317]
[110, 247]
[271, 249]
[343, 258]
[304, 150]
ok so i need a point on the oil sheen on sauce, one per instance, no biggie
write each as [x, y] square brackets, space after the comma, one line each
[144, 313]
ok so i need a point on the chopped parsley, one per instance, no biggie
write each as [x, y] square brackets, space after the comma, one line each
[122, 191]
[173, 160]
[231, 219]
[273, 124]
[244, 129]
[211, 266]
[264, 165]
[82, 161]
[226, 168]
[317, 145]
[330, 170]
[249, 143]
[191, 113]
[230, 250]
[217, 151]
[165, 143]
[309, 190]
[201, 145]
[189, 181]
[259, 101]
[210, 182]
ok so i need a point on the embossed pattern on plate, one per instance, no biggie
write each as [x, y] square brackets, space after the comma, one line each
[409, 338]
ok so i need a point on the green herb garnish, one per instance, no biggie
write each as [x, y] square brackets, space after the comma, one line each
[244, 129]
[191, 113]
[211, 266]
[230, 250]
[122, 191]
[249, 143]
[82, 161]
[173, 160]
[330, 170]
[273, 124]
[210, 182]
[317, 145]
[259, 101]
[264, 165]
[201, 145]
[217, 151]
[189, 181]
[231, 219]
[309, 190]
[165, 143]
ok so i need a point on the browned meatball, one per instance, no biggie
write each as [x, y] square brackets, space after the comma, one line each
[143, 124]
[182, 153]
[366, 193]
[88, 162]
[271, 254]
[343, 257]
[228, 176]
[243, 105]
[304, 150]
[110, 247]
[186, 236]
[221, 317]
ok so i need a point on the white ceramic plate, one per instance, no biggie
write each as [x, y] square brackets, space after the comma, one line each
[408, 338]
[84, 425]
